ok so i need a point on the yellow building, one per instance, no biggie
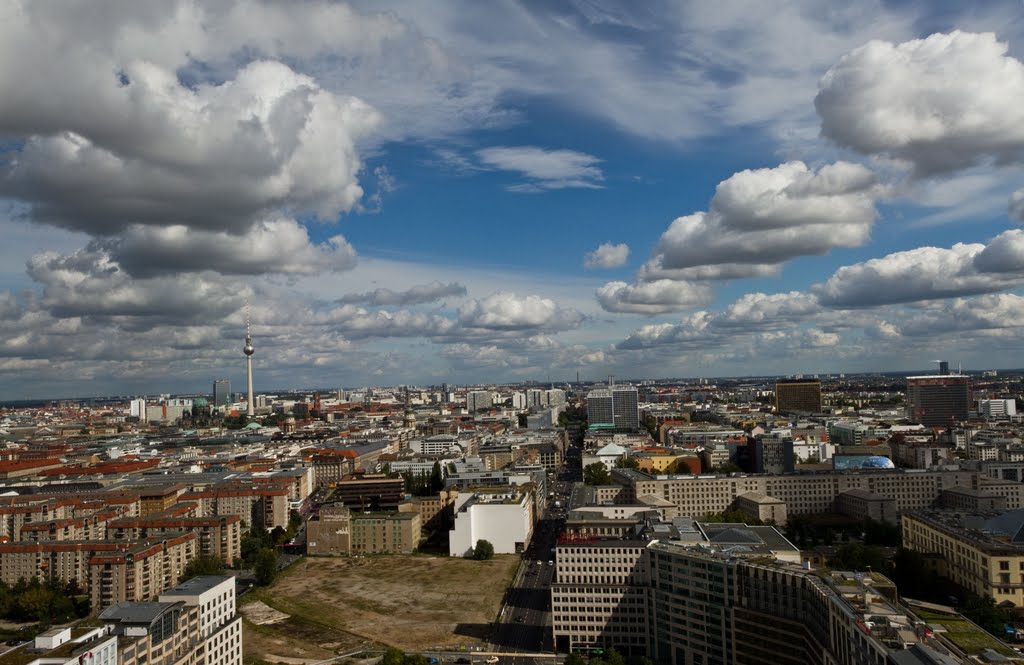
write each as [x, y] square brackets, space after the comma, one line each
[982, 562]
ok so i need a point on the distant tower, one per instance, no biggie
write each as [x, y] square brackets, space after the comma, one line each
[221, 392]
[410, 417]
[248, 350]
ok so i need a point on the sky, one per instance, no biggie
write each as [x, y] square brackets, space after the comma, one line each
[457, 192]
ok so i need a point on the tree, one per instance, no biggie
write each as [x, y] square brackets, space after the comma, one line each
[574, 659]
[204, 564]
[436, 479]
[393, 656]
[483, 551]
[596, 474]
[627, 463]
[613, 657]
[985, 613]
[265, 567]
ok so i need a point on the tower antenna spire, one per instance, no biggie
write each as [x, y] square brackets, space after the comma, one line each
[248, 350]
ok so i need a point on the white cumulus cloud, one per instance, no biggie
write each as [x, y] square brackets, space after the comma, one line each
[942, 104]
[657, 297]
[928, 273]
[607, 255]
[768, 216]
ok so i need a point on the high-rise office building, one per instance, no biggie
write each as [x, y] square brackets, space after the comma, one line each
[221, 392]
[616, 408]
[938, 400]
[479, 399]
[798, 395]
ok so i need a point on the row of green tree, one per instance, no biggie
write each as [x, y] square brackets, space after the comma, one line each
[48, 602]
[423, 483]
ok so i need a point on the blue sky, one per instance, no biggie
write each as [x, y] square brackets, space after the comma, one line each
[409, 192]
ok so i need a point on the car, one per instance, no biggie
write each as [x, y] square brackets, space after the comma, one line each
[520, 619]
[551, 563]
[492, 660]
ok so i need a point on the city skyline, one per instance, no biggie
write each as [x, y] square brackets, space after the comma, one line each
[413, 195]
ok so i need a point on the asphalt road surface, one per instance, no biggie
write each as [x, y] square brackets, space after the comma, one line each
[525, 622]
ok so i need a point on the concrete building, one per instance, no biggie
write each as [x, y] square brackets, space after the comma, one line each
[374, 492]
[802, 493]
[193, 624]
[767, 509]
[386, 533]
[109, 571]
[337, 530]
[616, 408]
[220, 627]
[219, 536]
[798, 395]
[598, 596]
[997, 409]
[502, 517]
[66, 646]
[984, 555]
[863, 505]
[221, 393]
[773, 455]
[479, 399]
[938, 401]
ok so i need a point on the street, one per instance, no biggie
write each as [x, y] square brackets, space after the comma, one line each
[524, 625]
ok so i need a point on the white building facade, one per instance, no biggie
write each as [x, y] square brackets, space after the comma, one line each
[504, 519]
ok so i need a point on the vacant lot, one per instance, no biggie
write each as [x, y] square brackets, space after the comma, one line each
[412, 602]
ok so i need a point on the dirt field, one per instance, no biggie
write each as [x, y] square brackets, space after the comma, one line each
[338, 605]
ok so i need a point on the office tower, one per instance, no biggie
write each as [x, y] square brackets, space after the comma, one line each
[479, 399]
[798, 395]
[773, 456]
[616, 408]
[938, 401]
[221, 392]
[555, 397]
[138, 408]
[944, 367]
[248, 350]
[536, 398]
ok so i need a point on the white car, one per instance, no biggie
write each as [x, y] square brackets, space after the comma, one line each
[492, 660]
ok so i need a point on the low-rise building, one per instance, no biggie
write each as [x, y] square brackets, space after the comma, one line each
[503, 517]
[337, 530]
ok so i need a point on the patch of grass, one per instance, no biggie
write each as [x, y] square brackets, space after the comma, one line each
[969, 638]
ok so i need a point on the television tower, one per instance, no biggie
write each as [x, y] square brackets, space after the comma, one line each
[248, 350]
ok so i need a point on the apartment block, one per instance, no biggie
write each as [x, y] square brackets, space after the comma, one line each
[141, 571]
[258, 506]
[219, 536]
[192, 624]
[220, 627]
